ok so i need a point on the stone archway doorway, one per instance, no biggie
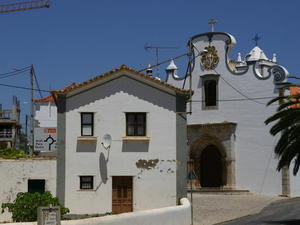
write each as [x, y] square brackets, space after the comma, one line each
[211, 168]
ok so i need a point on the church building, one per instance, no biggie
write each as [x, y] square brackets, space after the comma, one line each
[229, 144]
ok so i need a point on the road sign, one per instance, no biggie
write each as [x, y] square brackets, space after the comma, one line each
[45, 138]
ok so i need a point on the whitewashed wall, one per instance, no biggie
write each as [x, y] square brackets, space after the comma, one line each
[176, 215]
[253, 146]
[14, 175]
[46, 114]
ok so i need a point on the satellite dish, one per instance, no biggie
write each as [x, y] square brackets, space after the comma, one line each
[106, 141]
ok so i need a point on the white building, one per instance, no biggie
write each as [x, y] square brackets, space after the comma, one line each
[45, 112]
[228, 141]
[145, 165]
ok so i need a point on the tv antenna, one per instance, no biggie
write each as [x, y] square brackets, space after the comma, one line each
[157, 48]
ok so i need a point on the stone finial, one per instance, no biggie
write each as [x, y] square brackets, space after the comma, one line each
[274, 59]
[239, 58]
[149, 70]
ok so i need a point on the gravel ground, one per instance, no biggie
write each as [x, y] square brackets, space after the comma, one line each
[213, 209]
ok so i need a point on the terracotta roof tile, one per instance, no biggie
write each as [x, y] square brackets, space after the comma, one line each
[123, 67]
[293, 91]
[50, 98]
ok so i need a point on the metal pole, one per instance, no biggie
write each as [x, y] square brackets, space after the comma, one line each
[191, 186]
[32, 110]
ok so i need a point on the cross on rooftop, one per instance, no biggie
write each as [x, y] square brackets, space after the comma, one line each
[256, 39]
[212, 22]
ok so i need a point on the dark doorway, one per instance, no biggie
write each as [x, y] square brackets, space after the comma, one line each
[121, 194]
[36, 186]
[211, 167]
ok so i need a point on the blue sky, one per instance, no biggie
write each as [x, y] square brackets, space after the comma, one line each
[75, 39]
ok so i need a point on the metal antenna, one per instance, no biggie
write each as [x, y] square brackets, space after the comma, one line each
[157, 48]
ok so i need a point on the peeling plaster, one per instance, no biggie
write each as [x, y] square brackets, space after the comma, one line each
[147, 164]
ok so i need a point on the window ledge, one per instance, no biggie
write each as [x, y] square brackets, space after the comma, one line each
[87, 138]
[136, 138]
[86, 190]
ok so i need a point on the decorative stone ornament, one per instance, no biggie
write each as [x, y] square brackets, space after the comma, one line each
[209, 58]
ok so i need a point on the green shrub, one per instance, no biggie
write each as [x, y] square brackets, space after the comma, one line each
[24, 208]
[12, 153]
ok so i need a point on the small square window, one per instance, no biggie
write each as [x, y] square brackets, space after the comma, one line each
[36, 186]
[135, 124]
[86, 182]
[87, 124]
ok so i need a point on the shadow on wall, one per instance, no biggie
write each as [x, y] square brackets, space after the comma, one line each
[125, 84]
[135, 147]
[86, 146]
[103, 169]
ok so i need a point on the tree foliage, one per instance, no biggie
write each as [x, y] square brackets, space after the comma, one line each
[286, 123]
[24, 207]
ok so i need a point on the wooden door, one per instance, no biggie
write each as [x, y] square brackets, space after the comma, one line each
[122, 194]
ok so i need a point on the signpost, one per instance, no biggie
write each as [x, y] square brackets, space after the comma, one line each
[45, 138]
[191, 176]
[48, 215]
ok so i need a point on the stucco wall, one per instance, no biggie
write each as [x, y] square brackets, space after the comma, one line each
[176, 215]
[154, 186]
[14, 176]
[252, 146]
[45, 114]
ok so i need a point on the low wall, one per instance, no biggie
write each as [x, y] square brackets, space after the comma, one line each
[175, 215]
[14, 176]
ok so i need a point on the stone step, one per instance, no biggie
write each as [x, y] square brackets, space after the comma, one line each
[220, 191]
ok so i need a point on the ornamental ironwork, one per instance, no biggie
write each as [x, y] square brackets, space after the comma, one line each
[209, 58]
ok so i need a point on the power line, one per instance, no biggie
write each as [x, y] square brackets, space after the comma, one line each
[15, 72]
[163, 62]
[239, 99]
[220, 100]
[25, 88]
[238, 91]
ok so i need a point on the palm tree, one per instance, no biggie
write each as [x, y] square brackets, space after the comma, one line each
[287, 123]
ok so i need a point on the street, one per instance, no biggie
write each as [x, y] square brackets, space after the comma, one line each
[283, 212]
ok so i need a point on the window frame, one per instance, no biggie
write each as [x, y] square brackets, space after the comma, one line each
[205, 78]
[81, 182]
[136, 124]
[86, 124]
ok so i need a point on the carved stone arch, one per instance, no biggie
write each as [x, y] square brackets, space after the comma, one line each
[203, 143]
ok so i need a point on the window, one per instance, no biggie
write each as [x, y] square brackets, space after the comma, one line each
[135, 124]
[36, 186]
[210, 91]
[86, 182]
[87, 124]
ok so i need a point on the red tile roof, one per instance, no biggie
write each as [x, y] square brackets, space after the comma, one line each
[50, 98]
[123, 67]
[293, 91]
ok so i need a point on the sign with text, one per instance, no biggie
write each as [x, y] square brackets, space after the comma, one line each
[49, 215]
[45, 138]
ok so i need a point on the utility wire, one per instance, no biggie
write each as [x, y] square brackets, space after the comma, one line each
[163, 62]
[14, 74]
[221, 100]
[21, 87]
[16, 71]
[238, 91]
